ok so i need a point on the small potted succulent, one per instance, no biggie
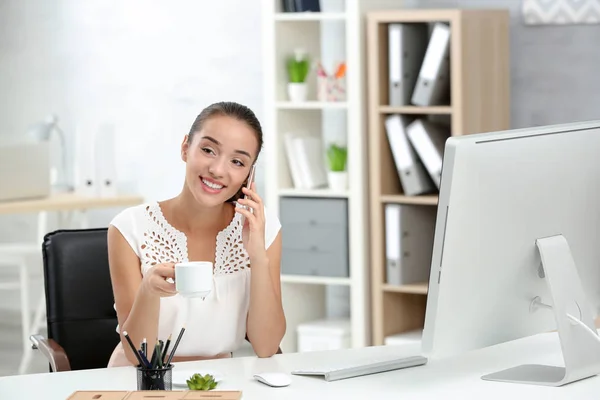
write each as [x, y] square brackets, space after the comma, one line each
[337, 174]
[201, 382]
[298, 68]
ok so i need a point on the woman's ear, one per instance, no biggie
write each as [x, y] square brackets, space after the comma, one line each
[184, 148]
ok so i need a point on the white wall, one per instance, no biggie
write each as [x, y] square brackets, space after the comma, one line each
[148, 66]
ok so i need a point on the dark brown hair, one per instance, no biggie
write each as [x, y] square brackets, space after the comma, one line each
[233, 110]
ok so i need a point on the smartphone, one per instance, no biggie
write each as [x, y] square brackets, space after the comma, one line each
[251, 177]
[250, 180]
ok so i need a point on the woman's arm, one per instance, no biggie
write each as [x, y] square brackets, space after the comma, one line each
[136, 303]
[266, 320]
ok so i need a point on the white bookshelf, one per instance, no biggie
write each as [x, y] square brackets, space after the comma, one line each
[325, 193]
[336, 33]
[310, 16]
[311, 105]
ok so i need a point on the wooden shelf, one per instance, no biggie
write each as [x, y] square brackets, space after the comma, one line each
[311, 16]
[315, 280]
[414, 288]
[327, 193]
[415, 110]
[479, 102]
[431, 200]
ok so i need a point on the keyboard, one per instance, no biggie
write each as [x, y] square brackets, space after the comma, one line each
[349, 370]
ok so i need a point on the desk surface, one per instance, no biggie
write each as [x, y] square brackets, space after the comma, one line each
[66, 202]
[457, 377]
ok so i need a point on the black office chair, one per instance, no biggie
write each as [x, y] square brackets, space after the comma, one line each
[79, 301]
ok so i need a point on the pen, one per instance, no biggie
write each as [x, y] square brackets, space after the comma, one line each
[175, 346]
[166, 348]
[133, 347]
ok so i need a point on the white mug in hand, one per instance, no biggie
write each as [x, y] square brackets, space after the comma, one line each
[194, 279]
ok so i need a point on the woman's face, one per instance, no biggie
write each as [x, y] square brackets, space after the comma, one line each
[218, 159]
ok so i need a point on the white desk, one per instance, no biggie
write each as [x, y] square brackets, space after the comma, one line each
[457, 377]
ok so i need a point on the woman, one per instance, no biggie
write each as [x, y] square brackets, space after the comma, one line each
[205, 222]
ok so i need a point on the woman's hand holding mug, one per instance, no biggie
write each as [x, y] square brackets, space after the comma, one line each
[155, 280]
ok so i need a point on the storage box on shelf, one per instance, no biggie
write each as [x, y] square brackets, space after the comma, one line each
[475, 99]
[316, 240]
[327, 334]
[322, 208]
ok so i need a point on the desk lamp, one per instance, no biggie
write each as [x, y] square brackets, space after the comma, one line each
[43, 131]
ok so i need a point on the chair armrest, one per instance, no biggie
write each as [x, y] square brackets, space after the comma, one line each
[52, 351]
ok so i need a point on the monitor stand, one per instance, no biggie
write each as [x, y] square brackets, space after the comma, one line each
[579, 340]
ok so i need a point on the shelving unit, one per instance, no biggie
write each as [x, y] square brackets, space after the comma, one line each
[335, 34]
[479, 102]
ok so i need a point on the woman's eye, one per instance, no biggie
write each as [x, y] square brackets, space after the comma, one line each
[208, 150]
[238, 163]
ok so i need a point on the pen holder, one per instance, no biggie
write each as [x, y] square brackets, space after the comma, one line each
[154, 378]
[330, 88]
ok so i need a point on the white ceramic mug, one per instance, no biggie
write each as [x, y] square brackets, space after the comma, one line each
[194, 279]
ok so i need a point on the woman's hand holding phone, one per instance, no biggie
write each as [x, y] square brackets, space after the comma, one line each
[253, 231]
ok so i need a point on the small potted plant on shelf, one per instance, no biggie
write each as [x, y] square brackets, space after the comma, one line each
[298, 68]
[337, 175]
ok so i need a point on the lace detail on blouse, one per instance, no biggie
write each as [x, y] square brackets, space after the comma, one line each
[163, 243]
[231, 256]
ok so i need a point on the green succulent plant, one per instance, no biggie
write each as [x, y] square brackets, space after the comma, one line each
[337, 156]
[298, 67]
[199, 382]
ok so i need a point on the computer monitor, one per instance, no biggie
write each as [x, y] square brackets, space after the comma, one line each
[508, 201]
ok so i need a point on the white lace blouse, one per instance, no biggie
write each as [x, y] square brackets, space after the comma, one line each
[213, 325]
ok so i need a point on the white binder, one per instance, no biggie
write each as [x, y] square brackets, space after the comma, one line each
[433, 83]
[293, 162]
[428, 140]
[105, 157]
[84, 162]
[309, 150]
[413, 176]
[409, 230]
[305, 161]
[407, 44]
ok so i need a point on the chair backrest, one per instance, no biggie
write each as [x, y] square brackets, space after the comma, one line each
[79, 297]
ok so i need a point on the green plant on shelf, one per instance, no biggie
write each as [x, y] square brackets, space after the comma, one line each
[337, 156]
[298, 67]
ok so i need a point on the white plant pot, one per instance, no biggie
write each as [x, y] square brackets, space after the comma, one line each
[338, 180]
[297, 92]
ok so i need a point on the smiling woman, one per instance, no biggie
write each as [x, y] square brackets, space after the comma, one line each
[215, 218]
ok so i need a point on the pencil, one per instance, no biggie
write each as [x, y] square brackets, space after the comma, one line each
[166, 348]
[175, 346]
[133, 347]
[143, 357]
[145, 347]
[155, 355]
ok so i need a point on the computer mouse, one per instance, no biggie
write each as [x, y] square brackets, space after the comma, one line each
[274, 379]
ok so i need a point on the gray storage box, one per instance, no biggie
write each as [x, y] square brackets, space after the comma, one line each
[314, 236]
